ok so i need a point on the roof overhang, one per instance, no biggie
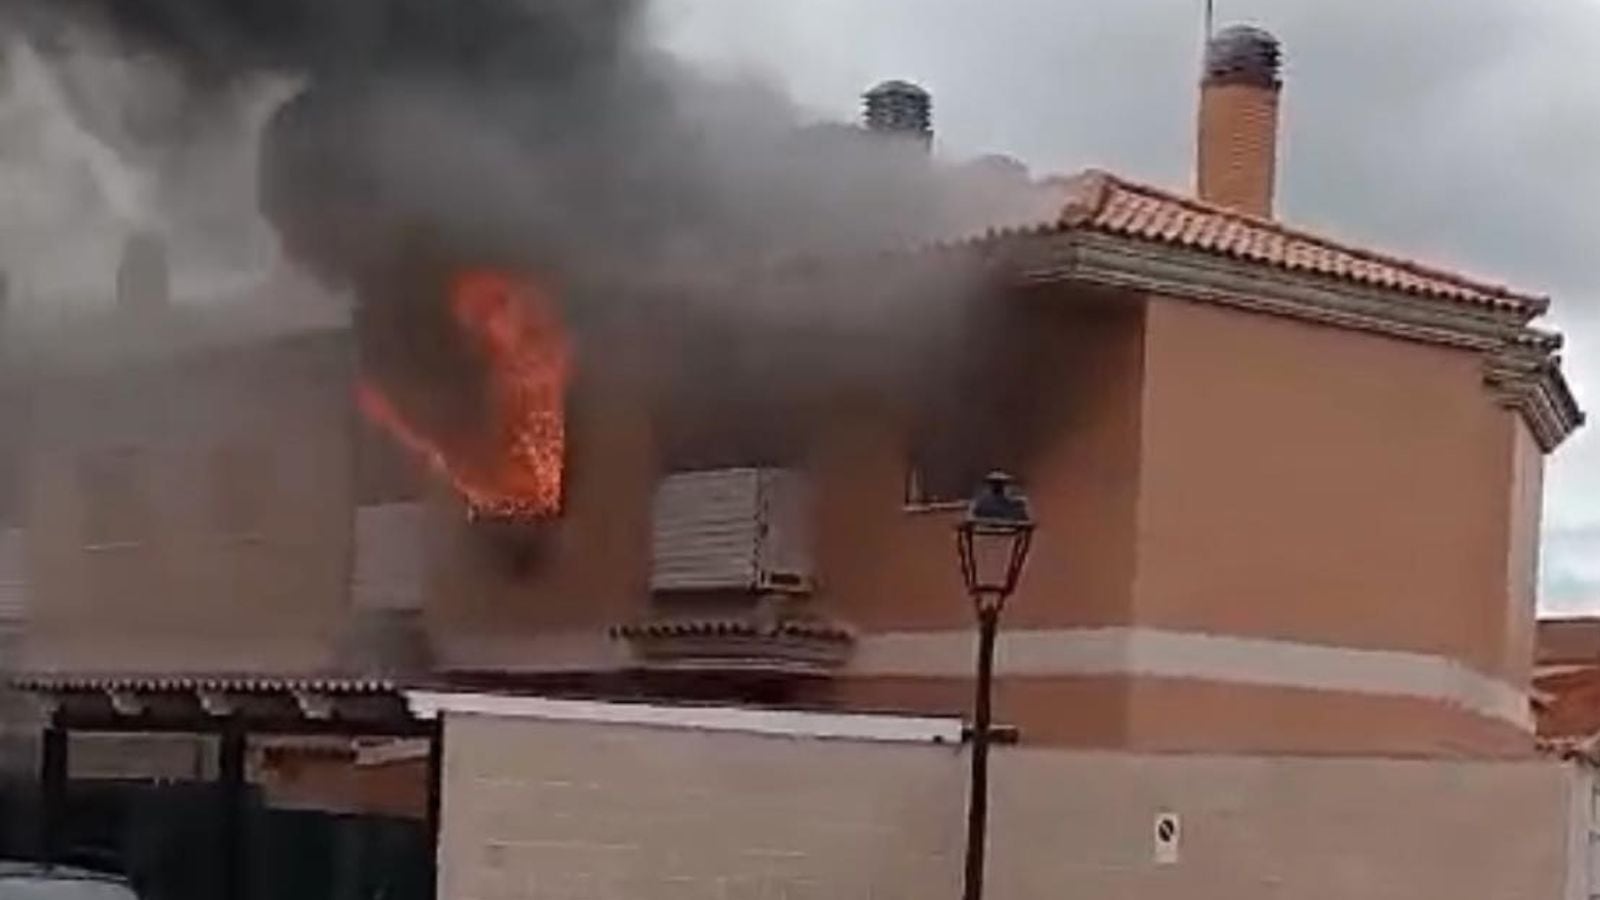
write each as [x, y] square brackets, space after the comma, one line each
[1521, 364]
[193, 703]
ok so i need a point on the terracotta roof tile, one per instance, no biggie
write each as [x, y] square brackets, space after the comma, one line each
[1102, 202]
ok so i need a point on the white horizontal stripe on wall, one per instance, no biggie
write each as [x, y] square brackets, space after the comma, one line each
[1122, 651]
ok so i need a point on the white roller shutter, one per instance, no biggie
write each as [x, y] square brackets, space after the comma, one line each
[731, 529]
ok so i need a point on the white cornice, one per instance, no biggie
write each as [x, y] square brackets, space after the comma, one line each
[1534, 387]
[1520, 362]
[1130, 264]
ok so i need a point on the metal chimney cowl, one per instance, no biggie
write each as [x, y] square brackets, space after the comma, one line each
[1244, 54]
[899, 108]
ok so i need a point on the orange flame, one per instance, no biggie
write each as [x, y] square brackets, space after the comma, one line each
[517, 331]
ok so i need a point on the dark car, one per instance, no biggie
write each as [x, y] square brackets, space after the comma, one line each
[34, 881]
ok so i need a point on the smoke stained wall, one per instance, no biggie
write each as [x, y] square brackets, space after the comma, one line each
[541, 136]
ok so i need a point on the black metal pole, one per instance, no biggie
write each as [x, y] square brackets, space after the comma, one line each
[978, 801]
[435, 784]
[231, 776]
[53, 763]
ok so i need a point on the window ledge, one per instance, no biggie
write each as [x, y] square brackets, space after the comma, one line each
[112, 546]
[938, 506]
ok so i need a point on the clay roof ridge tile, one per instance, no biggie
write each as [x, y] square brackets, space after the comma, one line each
[1108, 183]
[1086, 197]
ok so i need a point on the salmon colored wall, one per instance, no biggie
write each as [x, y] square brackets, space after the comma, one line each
[1196, 469]
[881, 567]
[889, 569]
[1071, 711]
[1196, 716]
[1522, 564]
[1164, 714]
[183, 595]
[1323, 485]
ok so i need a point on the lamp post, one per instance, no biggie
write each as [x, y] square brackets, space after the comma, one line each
[993, 540]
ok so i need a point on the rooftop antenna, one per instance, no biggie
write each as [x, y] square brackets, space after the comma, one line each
[1208, 26]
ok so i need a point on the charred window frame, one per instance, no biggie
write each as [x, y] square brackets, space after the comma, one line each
[977, 411]
[949, 456]
[942, 472]
[421, 360]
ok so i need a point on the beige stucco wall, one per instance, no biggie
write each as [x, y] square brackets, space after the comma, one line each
[538, 808]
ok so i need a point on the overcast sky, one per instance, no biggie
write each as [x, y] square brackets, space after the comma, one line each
[1463, 132]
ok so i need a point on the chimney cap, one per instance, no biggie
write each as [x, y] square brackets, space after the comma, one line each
[897, 86]
[900, 107]
[1244, 54]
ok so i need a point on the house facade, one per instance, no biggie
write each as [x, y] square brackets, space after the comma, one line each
[1288, 497]
[1288, 491]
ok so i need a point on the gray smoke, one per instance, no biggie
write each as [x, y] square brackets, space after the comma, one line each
[547, 136]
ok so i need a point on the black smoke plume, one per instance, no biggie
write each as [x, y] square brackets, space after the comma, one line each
[543, 135]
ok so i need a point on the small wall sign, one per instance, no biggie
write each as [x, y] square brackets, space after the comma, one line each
[1167, 832]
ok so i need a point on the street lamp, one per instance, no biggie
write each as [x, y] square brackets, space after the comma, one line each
[993, 540]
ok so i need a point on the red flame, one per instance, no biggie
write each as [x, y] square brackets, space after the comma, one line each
[515, 328]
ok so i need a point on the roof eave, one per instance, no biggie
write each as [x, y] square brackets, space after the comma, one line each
[1536, 387]
[1094, 188]
[1091, 257]
[1520, 362]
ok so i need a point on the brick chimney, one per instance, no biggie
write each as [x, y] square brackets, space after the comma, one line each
[1237, 151]
[142, 276]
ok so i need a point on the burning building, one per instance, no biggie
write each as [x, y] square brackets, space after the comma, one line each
[1289, 488]
[667, 494]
